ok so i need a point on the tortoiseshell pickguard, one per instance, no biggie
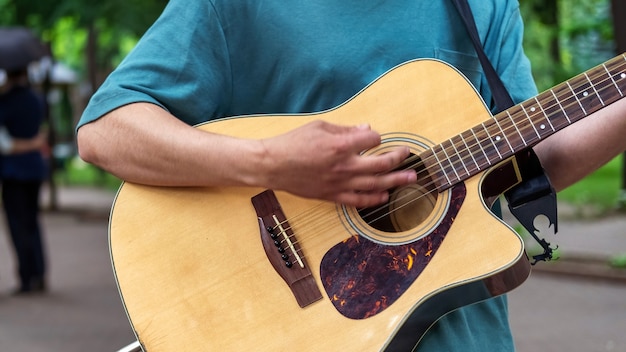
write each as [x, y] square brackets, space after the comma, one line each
[363, 278]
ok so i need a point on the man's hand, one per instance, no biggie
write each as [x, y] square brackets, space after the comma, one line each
[323, 160]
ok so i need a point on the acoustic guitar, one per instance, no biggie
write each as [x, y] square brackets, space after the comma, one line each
[247, 269]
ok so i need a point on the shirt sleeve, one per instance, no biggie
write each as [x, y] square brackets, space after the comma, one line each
[512, 64]
[180, 64]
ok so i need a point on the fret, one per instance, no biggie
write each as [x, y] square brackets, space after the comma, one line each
[450, 161]
[433, 169]
[493, 143]
[613, 80]
[577, 100]
[443, 169]
[512, 137]
[479, 142]
[469, 150]
[524, 126]
[587, 94]
[538, 118]
[521, 136]
[504, 134]
[531, 123]
[459, 154]
[558, 102]
[594, 90]
[551, 110]
[569, 100]
[543, 111]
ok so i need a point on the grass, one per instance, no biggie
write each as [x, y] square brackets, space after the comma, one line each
[600, 191]
[78, 173]
[618, 261]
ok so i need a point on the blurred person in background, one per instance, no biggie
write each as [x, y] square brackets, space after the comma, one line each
[22, 172]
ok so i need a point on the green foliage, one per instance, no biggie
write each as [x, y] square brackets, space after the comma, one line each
[78, 173]
[68, 42]
[7, 11]
[586, 33]
[67, 24]
[618, 261]
[599, 190]
[566, 37]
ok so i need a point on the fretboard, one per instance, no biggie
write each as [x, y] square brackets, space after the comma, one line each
[526, 124]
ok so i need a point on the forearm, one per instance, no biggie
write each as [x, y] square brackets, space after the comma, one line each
[11, 145]
[143, 143]
[28, 145]
[581, 148]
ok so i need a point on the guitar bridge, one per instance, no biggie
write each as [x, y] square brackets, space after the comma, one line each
[283, 250]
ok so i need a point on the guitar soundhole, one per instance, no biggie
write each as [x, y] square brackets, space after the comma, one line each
[408, 206]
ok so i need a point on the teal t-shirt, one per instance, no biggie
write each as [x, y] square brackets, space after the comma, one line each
[209, 59]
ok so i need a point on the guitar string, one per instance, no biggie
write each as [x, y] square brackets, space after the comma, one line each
[610, 86]
[524, 127]
[321, 228]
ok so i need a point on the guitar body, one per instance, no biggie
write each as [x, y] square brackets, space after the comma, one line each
[194, 275]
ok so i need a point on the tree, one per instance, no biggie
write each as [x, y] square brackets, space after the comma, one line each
[542, 40]
[565, 37]
[102, 26]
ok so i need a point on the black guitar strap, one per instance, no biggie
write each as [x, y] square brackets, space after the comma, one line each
[534, 195]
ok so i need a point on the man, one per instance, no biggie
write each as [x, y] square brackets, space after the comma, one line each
[204, 60]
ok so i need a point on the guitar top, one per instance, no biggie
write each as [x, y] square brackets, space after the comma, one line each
[235, 268]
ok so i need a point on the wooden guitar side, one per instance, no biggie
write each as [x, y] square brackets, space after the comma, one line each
[193, 275]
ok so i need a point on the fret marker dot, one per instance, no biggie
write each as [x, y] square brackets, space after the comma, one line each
[497, 138]
[543, 127]
[585, 94]
[623, 75]
[532, 109]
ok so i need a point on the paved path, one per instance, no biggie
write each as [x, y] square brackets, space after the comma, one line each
[557, 313]
[553, 311]
[82, 312]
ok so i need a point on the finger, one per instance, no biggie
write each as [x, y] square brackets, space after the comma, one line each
[362, 200]
[380, 183]
[334, 128]
[379, 163]
[363, 139]
[352, 139]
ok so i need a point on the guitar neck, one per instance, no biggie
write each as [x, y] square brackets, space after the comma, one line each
[526, 124]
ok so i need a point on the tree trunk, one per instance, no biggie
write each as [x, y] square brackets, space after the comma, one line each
[618, 9]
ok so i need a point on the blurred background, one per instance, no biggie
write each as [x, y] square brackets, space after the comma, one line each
[83, 41]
